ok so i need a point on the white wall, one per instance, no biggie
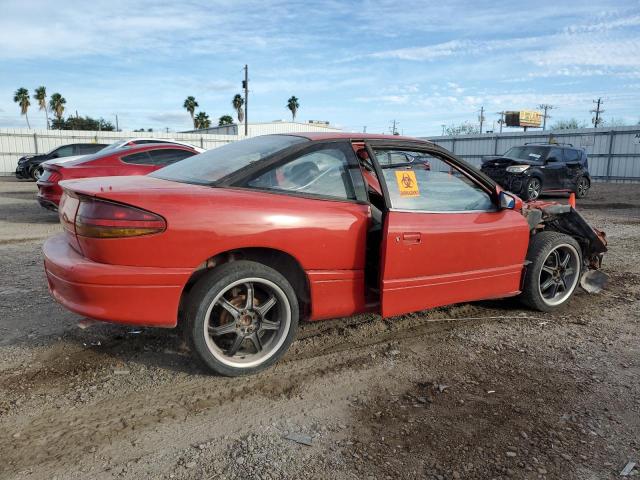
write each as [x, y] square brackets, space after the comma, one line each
[16, 142]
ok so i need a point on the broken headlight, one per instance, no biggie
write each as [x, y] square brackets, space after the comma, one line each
[517, 168]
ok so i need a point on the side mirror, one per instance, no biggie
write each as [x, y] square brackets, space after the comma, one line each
[507, 202]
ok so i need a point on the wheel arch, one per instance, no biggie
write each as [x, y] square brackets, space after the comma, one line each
[284, 263]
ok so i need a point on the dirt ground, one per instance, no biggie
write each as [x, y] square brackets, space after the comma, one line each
[486, 390]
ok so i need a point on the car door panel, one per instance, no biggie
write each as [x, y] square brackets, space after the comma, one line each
[457, 257]
[555, 171]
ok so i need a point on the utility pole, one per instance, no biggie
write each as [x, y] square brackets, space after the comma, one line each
[545, 107]
[481, 118]
[501, 121]
[167, 129]
[598, 111]
[394, 130]
[364, 129]
[245, 85]
[443, 127]
[117, 129]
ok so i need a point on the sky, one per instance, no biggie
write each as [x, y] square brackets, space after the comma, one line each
[356, 64]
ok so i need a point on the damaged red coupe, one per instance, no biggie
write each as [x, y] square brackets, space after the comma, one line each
[242, 242]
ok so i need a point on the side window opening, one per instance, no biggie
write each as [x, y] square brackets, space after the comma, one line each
[324, 172]
[416, 186]
[167, 156]
[140, 158]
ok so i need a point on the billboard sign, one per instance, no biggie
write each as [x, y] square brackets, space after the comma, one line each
[523, 118]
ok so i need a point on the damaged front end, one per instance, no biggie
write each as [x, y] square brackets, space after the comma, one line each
[565, 219]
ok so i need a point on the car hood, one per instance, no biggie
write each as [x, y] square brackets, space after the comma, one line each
[32, 157]
[499, 161]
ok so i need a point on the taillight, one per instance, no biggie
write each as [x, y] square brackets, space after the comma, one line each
[51, 176]
[103, 219]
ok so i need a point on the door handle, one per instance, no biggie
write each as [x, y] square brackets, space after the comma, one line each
[411, 237]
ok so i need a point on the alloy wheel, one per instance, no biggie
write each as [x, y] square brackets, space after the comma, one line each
[559, 274]
[533, 189]
[247, 322]
[583, 186]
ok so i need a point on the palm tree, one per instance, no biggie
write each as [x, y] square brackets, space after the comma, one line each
[190, 104]
[56, 104]
[237, 103]
[225, 120]
[21, 97]
[41, 97]
[201, 120]
[293, 105]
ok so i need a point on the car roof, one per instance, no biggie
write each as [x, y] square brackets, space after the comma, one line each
[315, 136]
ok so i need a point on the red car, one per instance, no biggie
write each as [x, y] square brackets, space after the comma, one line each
[134, 160]
[244, 241]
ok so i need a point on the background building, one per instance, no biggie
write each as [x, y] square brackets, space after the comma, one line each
[265, 128]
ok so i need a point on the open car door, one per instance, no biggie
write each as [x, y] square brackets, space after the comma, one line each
[444, 239]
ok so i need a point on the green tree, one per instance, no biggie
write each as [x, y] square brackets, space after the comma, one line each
[83, 123]
[41, 97]
[56, 104]
[190, 104]
[201, 120]
[293, 106]
[571, 124]
[21, 97]
[464, 128]
[238, 103]
[225, 120]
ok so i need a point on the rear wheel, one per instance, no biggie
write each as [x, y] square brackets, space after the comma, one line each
[554, 271]
[582, 187]
[241, 318]
[533, 189]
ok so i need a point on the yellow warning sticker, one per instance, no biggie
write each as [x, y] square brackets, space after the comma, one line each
[407, 183]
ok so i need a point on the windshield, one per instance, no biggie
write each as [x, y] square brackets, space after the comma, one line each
[527, 153]
[212, 165]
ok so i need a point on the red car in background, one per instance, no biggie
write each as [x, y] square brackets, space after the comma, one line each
[242, 242]
[134, 160]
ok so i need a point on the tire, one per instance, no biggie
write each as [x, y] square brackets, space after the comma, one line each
[549, 285]
[235, 337]
[532, 189]
[582, 187]
[36, 172]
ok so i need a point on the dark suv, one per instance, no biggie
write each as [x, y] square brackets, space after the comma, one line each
[534, 169]
[29, 165]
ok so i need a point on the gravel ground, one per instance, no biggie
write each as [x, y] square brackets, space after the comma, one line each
[486, 390]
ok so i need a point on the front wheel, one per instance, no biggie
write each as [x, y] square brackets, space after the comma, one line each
[553, 272]
[241, 318]
[37, 172]
[533, 189]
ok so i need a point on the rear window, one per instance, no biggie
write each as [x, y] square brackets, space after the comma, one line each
[213, 165]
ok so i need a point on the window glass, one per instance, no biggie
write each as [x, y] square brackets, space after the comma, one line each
[555, 153]
[322, 172]
[84, 149]
[167, 156]
[65, 151]
[571, 155]
[219, 162]
[141, 158]
[402, 157]
[414, 187]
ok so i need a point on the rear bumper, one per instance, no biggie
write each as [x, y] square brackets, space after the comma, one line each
[144, 296]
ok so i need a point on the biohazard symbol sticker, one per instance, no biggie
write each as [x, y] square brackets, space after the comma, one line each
[407, 183]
